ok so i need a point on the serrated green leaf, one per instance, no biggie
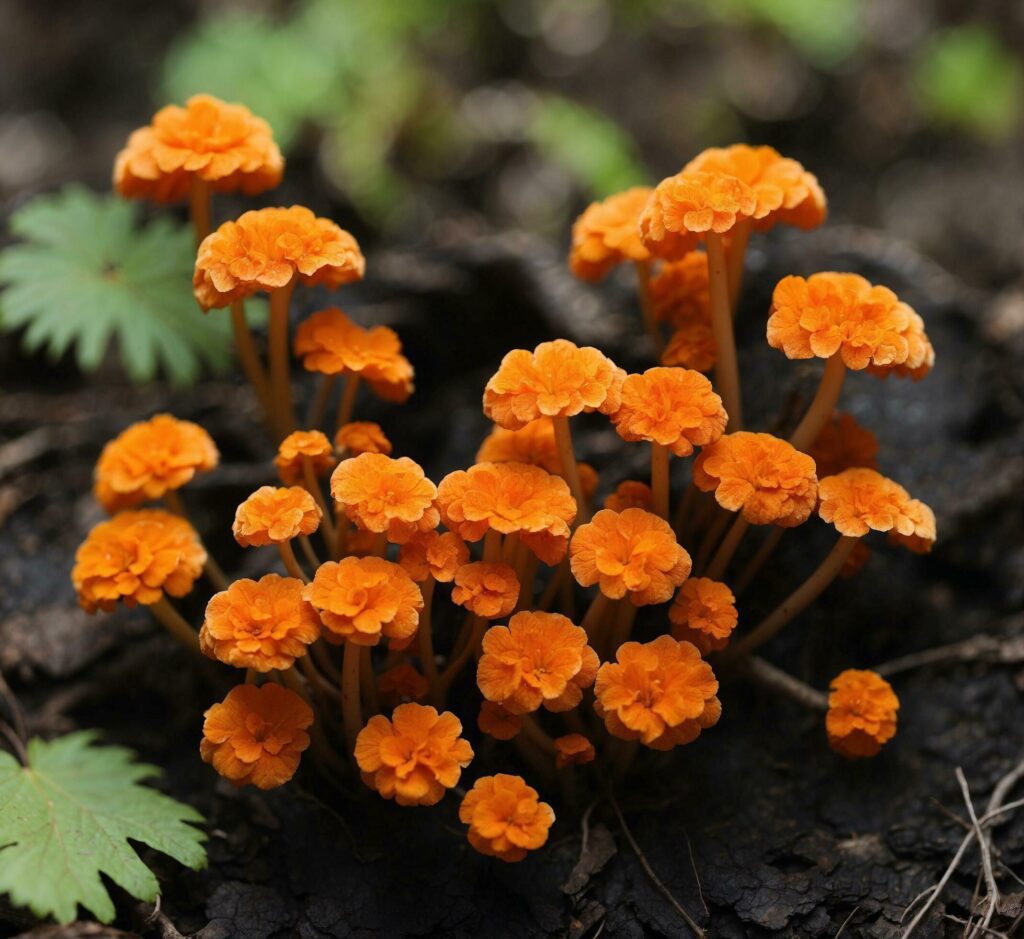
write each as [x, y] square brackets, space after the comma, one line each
[85, 275]
[66, 818]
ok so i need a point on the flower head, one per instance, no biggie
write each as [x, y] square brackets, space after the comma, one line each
[151, 458]
[922, 538]
[630, 553]
[533, 443]
[498, 722]
[222, 144]
[362, 437]
[272, 515]
[538, 658]
[843, 444]
[490, 590]
[137, 557]
[260, 624]
[691, 346]
[920, 353]
[859, 500]
[661, 693]
[607, 233]
[505, 817]
[256, 735]
[680, 293]
[433, 554]
[361, 599]
[382, 494]
[765, 478]
[299, 446]
[861, 713]
[630, 494]
[704, 613]
[573, 749]
[265, 249]
[557, 379]
[402, 681]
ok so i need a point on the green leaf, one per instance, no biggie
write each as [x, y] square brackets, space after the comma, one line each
[84, 275]
[66, 818]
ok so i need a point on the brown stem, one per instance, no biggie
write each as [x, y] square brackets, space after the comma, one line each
[280, 380]
[570, 468]
[620, 626]
[553, 585]
[245, 346]
[291, 563]
[327, 516]
[318, 408]
[214, 574]
[348, 399]
[711, 538]
[684, 511]
[322, 655]
[369, 682]
[643, 291]
[766, 674]
[492, 546]
[478, 626]
[351, 706]
[823, 404]
[600, 612]
[536, 733]
[175, 624]
[425, 638]
[200, 207]
[727, 548]
[759, 559]
[737, 255]
[307, 550]
[659, 478]
[727, 373]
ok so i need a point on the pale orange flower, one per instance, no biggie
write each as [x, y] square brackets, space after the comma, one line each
[630, 494]
[263, 625]
[498, 722]
[765, 478]
[680, 293]
[382, 494]
[505, 818]
[691, 346]
[222, 144]
[557, 379]
[573, 749]
[402, 681]
[257, 735]
[433, 554]
[661, 693]
[861, 713]
[299, 445]
[265, 249]
[630, 553]
[361, 599]
[858, 557]
[608, 233]
[151, 458]
[704, 613]
[488, 590]
[843, 444]
[922, 538]
[920, 353]
[858, 500]
[414, 757]
[275, 514]
[362, 437]
[137, 557]
[533, 443]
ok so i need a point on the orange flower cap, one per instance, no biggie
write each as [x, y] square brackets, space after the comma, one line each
[402, 681]
[256, 735]
[630, 494]
[273, 515]
[765, 478]
[691, 346]
[265, 249]
[137, 557]
[704, 613]
[680, 292]
[922, 539]
[661, 693]
[486, 589]
[260, 624]
[858, 500]
[498, 722]
[150, 458]
[299, 446]
[505, 818]
[538, 658]
[414, 757]
[920, 355]
[433, 554]
[222, 144]
[607, 234]
[557, 379]
[861, 713]
[573, 749]
[362, 437]
[843, 444]
[533, 443]
[631, 553]
[361, 599]
[858, 557]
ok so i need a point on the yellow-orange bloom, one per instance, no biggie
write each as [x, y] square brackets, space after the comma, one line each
[433, 554]
[505, 818]
[151, 458]
[275, 514]
[490, 590]
[680, 292]
[382, 494]
[414, 757]
[557, 379]
[922, 538]
[533, 443]
[301, 445]
[362, 437]
[691, 346]
[265, 249]
[674, 407]
[402, 681]
[661, 693]
[765, 478]
[498, 722]
[704, 613]
[137, 557]
[256, 735]
[262, 624]
[573, 749]
[630, 494]
[842, 444]
[538, 658]
[861, 713]
[224, 145]
[858, 500]
[608, 233]
[631, 553]
[361, 599]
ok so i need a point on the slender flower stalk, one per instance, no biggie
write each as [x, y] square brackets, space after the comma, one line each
[759, 559]
[291, 563]
[351, 704]
[245, 346]
[346, 407]
[737, 256]
[280, 381]
[319, 405]
[643, 290]
[214, 574]
[570, 468]
[200, 207]
[726, 550]
[824, 403]
[727, 373]
[328, 527]
[175, 624]
[659, 479]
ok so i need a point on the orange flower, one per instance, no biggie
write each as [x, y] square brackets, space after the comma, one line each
[674, 407]
[361, 599]
[256, 735]
[402, 681]
[151, 458]
[922, 538]
[573, 749]
[662, 693]
[607, 233]
[137, 557]
[414, 757]
[557, 379]
[272, 515]
[265, 249]
[488, 590]
[680, 293]
[539, 658]
[224, 145]
[858, 500]
[509, 497]
[859, 556]
[362, 437]
[382, 494]
[920, 354]
[843, 444]
[765, 478]
[505, 817]
[861, 713]
[630, 494]
[632, 553]
[311, 444]
[498, 722]
[704, 613]
[262, 624]
[433, 554]
[691, 346]
[533, 443]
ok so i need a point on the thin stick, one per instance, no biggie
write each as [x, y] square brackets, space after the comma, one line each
[175, 624]
[245, 346]
[291, 563]
[727, 373]
[280, 381]
[824, 403]
[759, 559]
[351, 707]
[643, 292]
[737, 256]
[199, 207]
[985, 850]
[570, 468]
[659, 479]
[1007, 650]
[348, 399]
[727, 548]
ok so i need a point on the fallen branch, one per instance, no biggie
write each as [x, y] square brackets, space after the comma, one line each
[1004, 650]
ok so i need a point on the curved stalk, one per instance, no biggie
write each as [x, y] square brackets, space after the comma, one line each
[759, 559]
[570, 468]
[175, 624]
[659, 478]
[477, 628]
[214, 574]
[318, 407]
[711, 537]
[643, 291]
[425, 638]
[200, 207]
[727, 373]
[825, 400]
[291, 563]
[348, 399]
[533, 731]
[727, 548]
[327, 516]
[351, 705]
[737, 257]
[245, 346]
[280, 379]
